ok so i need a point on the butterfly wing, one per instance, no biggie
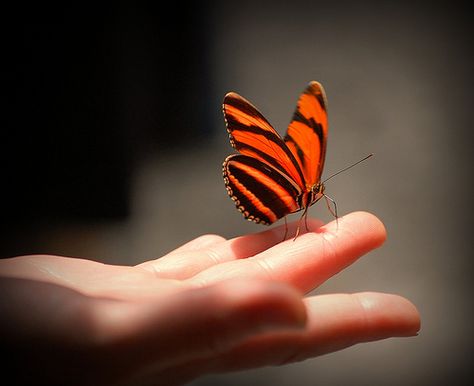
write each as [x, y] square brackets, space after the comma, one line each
[307, 132]
[252, 135]
[259, 191]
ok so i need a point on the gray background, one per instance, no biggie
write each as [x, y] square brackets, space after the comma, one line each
[398, 80]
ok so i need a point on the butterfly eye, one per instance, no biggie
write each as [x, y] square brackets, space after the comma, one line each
[317, 188]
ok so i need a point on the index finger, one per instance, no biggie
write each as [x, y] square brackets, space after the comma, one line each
[186, 262]
[309, 260]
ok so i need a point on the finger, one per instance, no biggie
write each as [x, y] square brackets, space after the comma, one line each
[197, 323]
[309, 260]
[334, 322]
[184, 264]
[186, 259]
[198, 243]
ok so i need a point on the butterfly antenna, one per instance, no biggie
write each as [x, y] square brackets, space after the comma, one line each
[348, 167]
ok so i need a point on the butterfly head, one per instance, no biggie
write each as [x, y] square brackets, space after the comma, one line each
[317, 191]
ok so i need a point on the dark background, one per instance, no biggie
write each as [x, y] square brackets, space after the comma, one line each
[112, 141]
[90, 90]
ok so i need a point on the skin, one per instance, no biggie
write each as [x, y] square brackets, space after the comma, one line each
[212, 305]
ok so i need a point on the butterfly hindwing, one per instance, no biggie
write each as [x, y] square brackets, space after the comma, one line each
[260, 192]
[251, 134]
[307, 132]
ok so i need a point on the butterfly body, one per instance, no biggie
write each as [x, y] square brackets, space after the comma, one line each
[272, 176]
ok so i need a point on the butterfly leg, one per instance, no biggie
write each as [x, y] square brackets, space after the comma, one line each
[286, 229]
[297, 232]
[304, 215]
[334, 213]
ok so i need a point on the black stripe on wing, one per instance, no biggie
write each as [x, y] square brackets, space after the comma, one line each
[307, 132]
[251, 134]
[260, 192]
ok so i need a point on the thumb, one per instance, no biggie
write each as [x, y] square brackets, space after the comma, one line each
[215, 318]
[205, 321]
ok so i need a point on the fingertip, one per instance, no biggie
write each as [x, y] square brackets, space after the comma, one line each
[410, 319]
[200, 242]
[209, 239]
[364, 223]
[374, 226]
[393, 314]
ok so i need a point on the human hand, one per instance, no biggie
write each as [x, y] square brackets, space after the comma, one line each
[212, 305]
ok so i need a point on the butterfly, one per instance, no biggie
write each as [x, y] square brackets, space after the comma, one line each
[274, 176]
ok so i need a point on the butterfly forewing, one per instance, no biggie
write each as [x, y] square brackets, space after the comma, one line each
[251, 134]
[307, 132]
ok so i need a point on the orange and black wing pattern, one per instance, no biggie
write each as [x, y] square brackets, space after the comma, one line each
[259, 191]
[307, 133]
[272, 177]
[251, 134]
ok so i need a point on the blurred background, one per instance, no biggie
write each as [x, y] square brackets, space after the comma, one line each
[113, 139]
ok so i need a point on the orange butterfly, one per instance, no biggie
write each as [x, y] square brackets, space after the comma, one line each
[273, 177]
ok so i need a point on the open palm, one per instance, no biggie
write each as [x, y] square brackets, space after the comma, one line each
[212, 305]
